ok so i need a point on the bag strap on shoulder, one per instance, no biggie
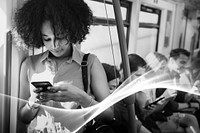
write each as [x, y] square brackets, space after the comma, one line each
[84, 68]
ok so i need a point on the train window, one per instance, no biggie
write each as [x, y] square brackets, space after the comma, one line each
[146, 42]
[103, 38]
[149, 17]
[98, 9]
[146, 17]
[99, 42]
[148, 32]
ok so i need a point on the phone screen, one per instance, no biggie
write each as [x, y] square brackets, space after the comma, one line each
[155, 102]
[42, 84]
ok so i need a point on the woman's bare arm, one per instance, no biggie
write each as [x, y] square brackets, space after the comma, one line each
[25, 112]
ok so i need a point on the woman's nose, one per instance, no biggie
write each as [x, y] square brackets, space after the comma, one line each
[55, 44]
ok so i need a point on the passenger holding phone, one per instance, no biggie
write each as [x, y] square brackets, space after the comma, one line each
[152, 116]
[153, 104]
[181, 120]
[59, 26]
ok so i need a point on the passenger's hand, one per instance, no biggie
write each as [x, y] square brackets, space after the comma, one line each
[62, 92]
[152, 107]
[161, 102]
[194, 105]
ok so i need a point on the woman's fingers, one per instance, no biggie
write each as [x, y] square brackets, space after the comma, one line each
[57, 88]
[46, 96]
[37, 90]
[53, 89]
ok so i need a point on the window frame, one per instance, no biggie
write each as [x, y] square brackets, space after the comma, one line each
[152, 25]
[111, 21]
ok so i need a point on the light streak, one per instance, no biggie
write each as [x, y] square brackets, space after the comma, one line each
[74, 119]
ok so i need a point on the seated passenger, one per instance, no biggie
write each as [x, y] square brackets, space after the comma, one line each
[173, 68]
[161, 62]
[173, 123]
[112, 75]
[120, 110]
[178, 62]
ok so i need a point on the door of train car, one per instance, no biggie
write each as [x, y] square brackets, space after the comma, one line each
[156, 27]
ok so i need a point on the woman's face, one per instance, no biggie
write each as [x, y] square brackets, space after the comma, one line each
[57, 45]
[113, 84]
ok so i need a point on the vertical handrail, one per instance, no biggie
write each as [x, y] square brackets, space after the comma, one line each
[125, 63]
[7, 83]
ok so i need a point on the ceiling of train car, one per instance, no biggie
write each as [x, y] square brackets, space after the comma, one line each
[190, 4]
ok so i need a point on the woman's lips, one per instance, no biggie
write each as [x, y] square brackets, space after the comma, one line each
[56, 51]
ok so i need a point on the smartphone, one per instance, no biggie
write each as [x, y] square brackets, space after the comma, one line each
[155, 102]
[42, 84]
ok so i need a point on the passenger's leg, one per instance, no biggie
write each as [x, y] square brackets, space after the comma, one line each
[190, 122]
[170, 126]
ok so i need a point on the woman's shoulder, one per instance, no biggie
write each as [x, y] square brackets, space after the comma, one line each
[78, 55]
[93, 61]
[92, 57]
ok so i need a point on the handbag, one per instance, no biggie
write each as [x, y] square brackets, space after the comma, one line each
[99, 126]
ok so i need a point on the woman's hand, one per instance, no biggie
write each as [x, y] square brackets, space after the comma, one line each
[33, 101]
[61, 92]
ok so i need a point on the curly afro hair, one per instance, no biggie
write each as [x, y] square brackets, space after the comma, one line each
[69, 18]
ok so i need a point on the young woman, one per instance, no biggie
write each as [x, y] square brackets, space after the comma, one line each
[59, 26]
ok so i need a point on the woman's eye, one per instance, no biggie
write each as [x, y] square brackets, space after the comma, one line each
[46, 40]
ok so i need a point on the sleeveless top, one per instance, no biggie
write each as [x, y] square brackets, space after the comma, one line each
[42, 68]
